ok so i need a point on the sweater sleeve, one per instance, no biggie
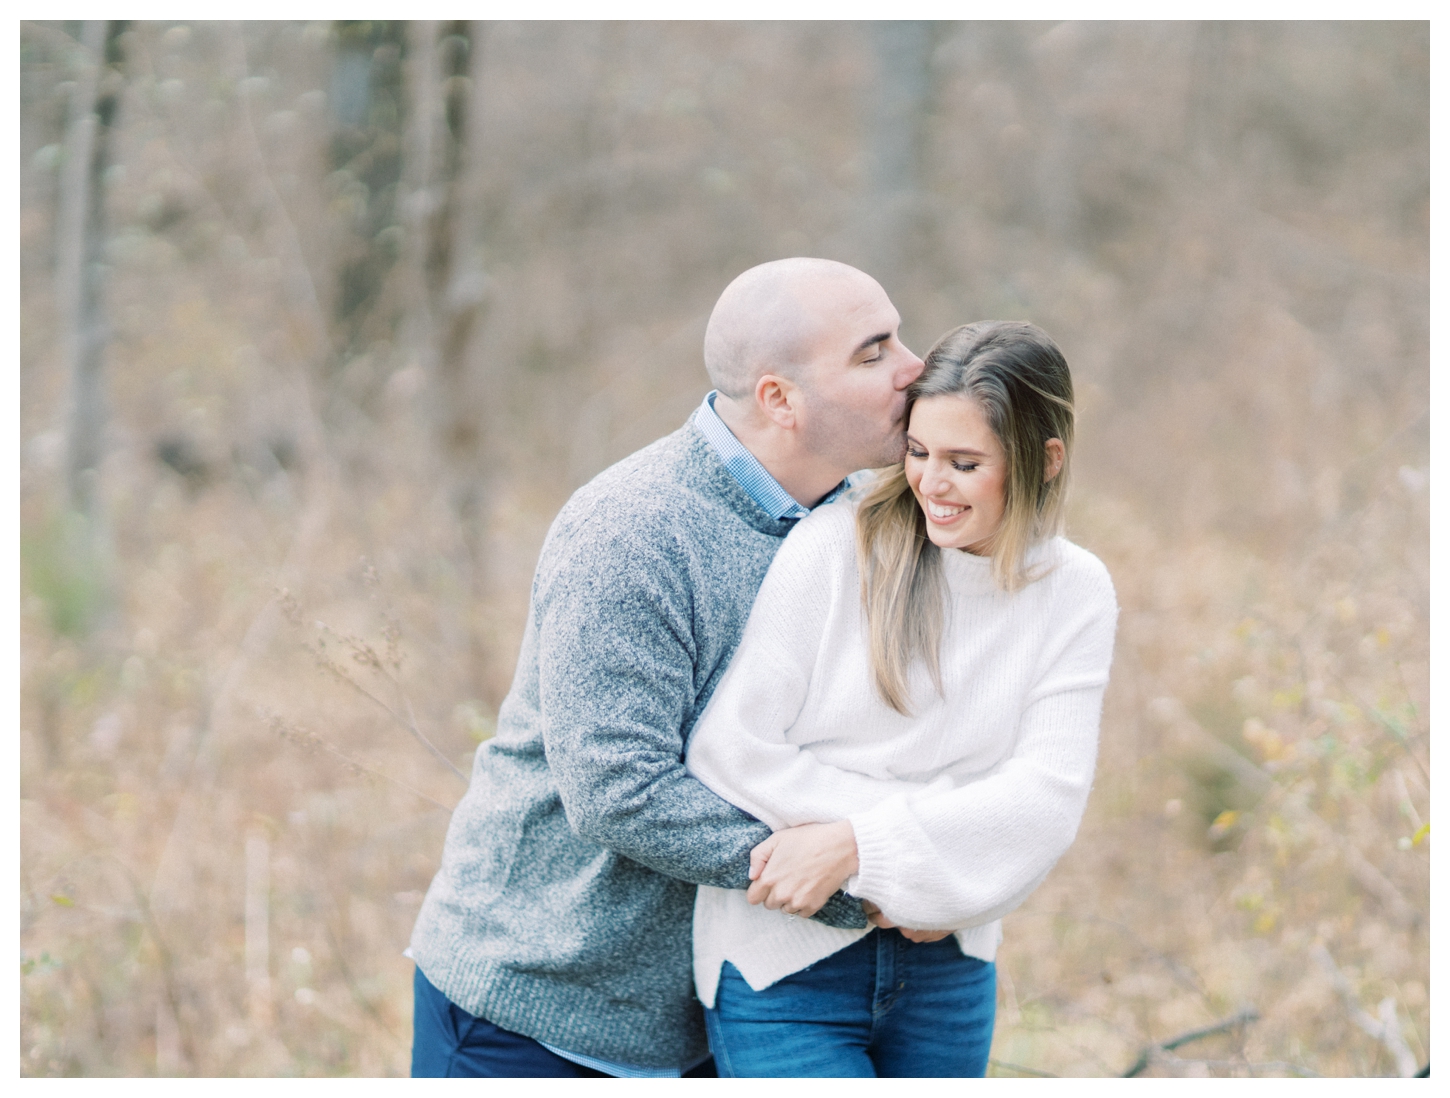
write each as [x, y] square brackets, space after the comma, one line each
[739, 747]
[968, 856]
[616, 683]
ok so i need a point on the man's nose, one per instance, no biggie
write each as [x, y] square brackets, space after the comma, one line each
[910, 369]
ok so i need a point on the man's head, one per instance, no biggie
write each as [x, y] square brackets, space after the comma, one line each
[810, 347]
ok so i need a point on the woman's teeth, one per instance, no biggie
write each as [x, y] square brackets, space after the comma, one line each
[940, 511]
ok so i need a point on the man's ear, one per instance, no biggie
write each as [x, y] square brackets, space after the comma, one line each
[777, 398]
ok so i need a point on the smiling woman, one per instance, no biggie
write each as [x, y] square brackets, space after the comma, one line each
[986, 470]
[931, 756]
[992, 422]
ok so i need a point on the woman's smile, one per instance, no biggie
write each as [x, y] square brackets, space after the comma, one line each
[944, 513]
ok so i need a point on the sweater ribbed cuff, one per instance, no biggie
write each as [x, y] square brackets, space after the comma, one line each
[875, 877]
[843, 912]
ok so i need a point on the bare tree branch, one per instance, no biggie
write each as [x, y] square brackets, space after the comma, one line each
[1181, 1067]
[1385, 1029]
[1020, 1070]
[1158, 1049]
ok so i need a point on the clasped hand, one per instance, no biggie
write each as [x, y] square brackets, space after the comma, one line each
[798, 869]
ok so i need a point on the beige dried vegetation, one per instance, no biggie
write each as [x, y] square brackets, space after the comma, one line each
[224, 840]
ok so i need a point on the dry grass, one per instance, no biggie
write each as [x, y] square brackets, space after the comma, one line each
[223, 844]
[1260, 792]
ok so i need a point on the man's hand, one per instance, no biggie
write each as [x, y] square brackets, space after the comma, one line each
[798, 869]
[876, 918]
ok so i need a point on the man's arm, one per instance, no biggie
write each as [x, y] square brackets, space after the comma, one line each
[616, 684]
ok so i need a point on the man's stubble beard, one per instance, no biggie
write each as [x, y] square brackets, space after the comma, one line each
[894, 452]
[840, 436]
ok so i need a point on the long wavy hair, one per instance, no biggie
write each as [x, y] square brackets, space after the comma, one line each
[1020, 380]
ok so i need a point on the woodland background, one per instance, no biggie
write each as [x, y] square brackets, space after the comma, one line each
[347, 311]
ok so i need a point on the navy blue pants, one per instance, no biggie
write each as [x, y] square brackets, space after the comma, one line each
[450, 1043]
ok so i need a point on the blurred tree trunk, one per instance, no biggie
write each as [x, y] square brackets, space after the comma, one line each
[894, 208]
[471, 425]
[464, 293]
[421, 190]
[442, 214]
[366, 154]
[444, 271]
[79, 286]
[79, 258]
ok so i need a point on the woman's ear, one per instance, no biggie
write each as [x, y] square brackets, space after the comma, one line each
[1055, 453]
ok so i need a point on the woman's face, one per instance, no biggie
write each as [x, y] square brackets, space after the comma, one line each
[958, 472]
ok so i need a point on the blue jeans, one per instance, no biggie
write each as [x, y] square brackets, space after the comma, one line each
[883, 1006]
[450, 1043]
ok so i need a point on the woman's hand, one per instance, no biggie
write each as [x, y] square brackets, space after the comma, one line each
[875, 917]
[798, 869]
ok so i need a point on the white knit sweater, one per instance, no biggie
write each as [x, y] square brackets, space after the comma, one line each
[961, 809]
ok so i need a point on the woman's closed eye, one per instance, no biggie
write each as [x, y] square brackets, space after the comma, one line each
[959, 466]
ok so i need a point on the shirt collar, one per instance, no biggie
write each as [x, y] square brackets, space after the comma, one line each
[752, 476]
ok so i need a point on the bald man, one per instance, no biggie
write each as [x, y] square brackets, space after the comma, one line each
[555, 937]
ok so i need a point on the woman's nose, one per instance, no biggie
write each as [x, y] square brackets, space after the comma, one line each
[933, 480]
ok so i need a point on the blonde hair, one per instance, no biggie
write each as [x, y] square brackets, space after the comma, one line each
[1018, 377]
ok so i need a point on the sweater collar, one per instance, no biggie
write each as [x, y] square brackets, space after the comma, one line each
[967, 572]
[703, 470]
[747, 470]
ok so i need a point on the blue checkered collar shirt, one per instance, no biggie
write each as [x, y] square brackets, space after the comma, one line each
[763, 488]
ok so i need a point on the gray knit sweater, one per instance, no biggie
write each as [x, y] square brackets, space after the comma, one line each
[562, 909]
